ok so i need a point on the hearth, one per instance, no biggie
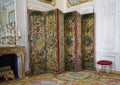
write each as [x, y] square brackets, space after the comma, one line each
[15, 57]
[10, 60]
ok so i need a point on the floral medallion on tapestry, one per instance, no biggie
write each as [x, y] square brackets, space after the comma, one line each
[87, 37]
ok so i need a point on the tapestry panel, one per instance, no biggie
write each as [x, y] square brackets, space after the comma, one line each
[37, 42]
[61, 40]
[79, 54]
[69, 41]
[88, 41]
[51, 41]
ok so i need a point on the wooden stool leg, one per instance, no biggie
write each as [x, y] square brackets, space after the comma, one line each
[108, 68]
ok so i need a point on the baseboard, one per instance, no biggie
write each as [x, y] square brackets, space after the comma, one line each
[116, 72]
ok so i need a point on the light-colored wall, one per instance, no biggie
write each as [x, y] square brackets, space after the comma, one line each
[21, 23]
[107, 25]
[107, 31]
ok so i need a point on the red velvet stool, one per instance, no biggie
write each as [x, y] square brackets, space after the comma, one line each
[105, 65]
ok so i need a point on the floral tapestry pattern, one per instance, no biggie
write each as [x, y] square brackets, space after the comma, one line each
[69, 41]
[72, 45]
[61, 34]
[60, 41]
[51, 41]
[47, 41]
[79, 53]
[88, 41]
[37, 42]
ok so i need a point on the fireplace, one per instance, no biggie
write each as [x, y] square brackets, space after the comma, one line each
[10, 60]
[13, 56]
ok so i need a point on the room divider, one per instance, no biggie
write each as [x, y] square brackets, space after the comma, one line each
[55, 41]
[72, 29]
[46, 36]
[87, 41]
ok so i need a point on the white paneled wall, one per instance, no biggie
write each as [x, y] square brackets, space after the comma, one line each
[107, 31]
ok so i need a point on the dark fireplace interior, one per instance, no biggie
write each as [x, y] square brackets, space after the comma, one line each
[10, 60]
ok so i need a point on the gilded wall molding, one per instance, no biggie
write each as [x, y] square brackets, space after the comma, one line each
[51, 2]
[71, 3]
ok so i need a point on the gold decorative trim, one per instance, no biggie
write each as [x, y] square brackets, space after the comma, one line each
[78, 2]
[8, 75]
[51, 2]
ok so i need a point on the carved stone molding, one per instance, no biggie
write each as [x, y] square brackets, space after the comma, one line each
[20, 52]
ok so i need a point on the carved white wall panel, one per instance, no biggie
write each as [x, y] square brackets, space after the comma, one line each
[98, 26]
[82, 9]
[108, 25]
[117, 35]
[108, 31]
[37, 5]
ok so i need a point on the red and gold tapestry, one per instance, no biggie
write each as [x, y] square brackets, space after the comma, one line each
[88, 41]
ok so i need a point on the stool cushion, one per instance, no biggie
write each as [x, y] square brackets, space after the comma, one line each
[104, 62]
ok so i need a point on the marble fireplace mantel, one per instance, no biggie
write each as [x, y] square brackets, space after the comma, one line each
[20, 52]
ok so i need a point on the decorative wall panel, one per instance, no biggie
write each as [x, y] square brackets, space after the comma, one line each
[51, 2]
[72, 45]
[87, 41]
[37, 42]
[76, 2]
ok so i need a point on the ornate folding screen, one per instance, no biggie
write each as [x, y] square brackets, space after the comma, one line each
[87, 41]
[61, 41]
[50, 28]
[55, 41]
[72, 40]
[51, 41]
[37, 42]
[51, 35]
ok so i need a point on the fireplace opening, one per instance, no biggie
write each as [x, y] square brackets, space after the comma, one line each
[10, 60]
